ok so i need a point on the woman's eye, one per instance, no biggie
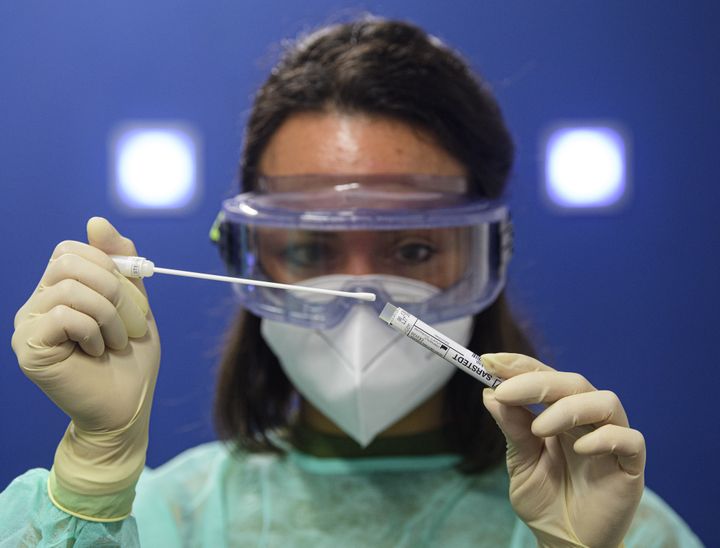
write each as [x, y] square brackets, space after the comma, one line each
[414, 253]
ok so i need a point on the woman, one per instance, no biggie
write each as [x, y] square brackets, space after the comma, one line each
[373, 160]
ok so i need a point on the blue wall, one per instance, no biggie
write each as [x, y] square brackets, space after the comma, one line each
[629, 300]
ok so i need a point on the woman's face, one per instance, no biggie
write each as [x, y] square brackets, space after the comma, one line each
[334, 143]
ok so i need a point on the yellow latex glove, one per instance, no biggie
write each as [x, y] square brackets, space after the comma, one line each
[572, 488]
[87, 338]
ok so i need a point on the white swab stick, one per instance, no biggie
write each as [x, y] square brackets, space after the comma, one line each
[353, 295]
[139, 267]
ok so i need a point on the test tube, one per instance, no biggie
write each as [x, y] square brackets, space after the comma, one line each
[429, 337]
[456, 354]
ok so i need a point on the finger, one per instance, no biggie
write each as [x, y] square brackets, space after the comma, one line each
[541, 387]
[515, 423]
[92, 254]
[625, 443]
[103, 235]
[54, 336]
[70, 266]
[133, 307]
[67, 247]
[506, 365]
[100, 258]
[80, 297]
[31, 354]
[131, 304]
[77, 267]
[598, 408]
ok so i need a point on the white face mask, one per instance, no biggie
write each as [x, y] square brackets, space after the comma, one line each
[362, 374]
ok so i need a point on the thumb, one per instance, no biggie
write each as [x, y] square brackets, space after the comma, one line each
[105, 237]
[523, 448]
[506, 365]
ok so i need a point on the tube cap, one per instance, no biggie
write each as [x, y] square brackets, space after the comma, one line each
[134, 267]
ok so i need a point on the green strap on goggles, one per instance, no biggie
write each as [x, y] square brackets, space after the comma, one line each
[215, 228]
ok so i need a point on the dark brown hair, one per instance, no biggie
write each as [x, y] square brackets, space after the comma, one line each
[386, 69]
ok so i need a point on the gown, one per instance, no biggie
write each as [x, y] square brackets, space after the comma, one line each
[309, 494]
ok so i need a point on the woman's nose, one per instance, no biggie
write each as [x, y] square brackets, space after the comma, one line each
[358, 263]
[357, 249]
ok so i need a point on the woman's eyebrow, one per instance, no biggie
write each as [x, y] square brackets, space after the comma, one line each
[275, 237]
[327, 235]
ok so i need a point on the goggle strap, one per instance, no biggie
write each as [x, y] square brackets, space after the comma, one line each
[215, 228]
[506, 244]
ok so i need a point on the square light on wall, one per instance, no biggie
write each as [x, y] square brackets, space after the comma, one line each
[155, 167]
[586, 166]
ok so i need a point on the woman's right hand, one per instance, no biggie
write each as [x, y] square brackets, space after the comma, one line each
[87, 338]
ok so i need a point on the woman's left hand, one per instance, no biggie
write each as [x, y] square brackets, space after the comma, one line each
[572, 486]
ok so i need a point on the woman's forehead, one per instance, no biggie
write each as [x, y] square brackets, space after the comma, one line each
[336, 143]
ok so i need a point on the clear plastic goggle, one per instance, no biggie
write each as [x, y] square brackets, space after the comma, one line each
[417, 241]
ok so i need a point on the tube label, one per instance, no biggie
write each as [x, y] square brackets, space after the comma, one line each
[439, 344]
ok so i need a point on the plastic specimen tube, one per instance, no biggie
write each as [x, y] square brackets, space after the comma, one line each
[436, 342]
[140, 267]
[456, 354]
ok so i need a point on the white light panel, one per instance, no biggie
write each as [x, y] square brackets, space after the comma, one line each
[586, 166]
[155, 166]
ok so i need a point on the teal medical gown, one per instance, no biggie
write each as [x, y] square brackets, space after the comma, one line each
[209, 496]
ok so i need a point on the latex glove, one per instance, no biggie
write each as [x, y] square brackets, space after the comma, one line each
[87, 338]
[571, 487]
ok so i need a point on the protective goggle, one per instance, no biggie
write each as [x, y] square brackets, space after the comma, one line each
[417, 241]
